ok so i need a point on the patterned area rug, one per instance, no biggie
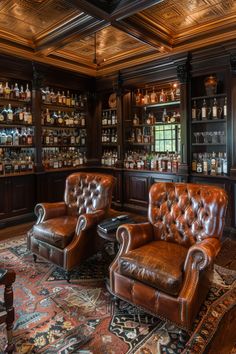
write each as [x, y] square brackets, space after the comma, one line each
[55, 317]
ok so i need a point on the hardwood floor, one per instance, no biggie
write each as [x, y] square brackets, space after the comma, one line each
[16, 230]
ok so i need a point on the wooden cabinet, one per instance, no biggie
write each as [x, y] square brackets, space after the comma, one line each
[136, 187]
[17, 197]
[209, 119]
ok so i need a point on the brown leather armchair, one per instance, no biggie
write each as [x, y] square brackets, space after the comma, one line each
[7, 313]
[65, 232]
[163, 265]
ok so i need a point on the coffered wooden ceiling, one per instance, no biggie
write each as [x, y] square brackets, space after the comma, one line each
[125, 33]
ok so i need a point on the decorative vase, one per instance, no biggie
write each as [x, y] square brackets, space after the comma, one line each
[210, 85]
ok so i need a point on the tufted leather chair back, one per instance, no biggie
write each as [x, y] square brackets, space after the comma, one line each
[87, 192]
[186, 213]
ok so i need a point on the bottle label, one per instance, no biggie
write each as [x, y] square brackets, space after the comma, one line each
[194, 116]
[203, 112]
[225, 111]
[214, 112]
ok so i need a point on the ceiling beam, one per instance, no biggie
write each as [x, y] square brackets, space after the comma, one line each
[127, 8]
[91, 9]
[76, 28]
[146, 34]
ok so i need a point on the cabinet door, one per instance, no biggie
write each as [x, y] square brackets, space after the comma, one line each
[136, 190]
[22, 194]
[4, 201]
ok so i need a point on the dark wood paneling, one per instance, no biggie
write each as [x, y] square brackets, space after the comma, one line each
[22, 194]
[136, 189]
[4, 200]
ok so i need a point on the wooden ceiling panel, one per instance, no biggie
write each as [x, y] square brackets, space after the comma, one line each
[109, 42]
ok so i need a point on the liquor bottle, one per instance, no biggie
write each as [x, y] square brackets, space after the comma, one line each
[22, 94]
[215, 109]
[63, 98]
[213, 164]
[1, 89]
[162, 97]
[153, 96]
[225, 108]
[27, 93]
[53, 98]
[3, 116]
[58, 98]
[30, 118]
[220, 163]
[16, 137]
[7, 91]
[204, 110]
[68, 100]
[199, 167]
[138, 97]
[9, 114]
[225, 164]
[194, 111]
[16, 92]
[135, 119]
[146, 98]
[205, 164]
[47, 119]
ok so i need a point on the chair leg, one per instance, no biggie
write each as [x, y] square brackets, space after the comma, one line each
[68, 275]
[34, 258]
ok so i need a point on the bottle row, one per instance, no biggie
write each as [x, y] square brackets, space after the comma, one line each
[210, 163]
[49, 96]
[17, 136]
[207, 111]
[142, 160]
[109, 158]
[63, 119]
[145, 97]
[55, 158]
[151, 118]
[14, 92]
[109, 136]
[13, 162]
[63, 137]
[144, 135]
[18, 115]
[109, 117]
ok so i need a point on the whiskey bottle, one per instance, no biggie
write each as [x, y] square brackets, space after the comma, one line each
[162, 97]
[194, 111]
[16, 92]
[22, 95]
[27, 93]
[68, 101]
[215, 109]
[1, 89]
[204, 110]
[146, 98]
[9, 114]
[7, 91]
[225, 108]
[135, 119]
[153, 96]
[138, 97]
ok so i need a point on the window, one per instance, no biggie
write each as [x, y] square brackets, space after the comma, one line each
[167, 138]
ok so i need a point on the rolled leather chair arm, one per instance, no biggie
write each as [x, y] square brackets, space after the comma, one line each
[86, 221]
[202, 254]
[7, 276]
[131, 236]
[45, 211]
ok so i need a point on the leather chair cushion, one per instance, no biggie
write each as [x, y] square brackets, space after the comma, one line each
[57, 232]
[158, 264]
